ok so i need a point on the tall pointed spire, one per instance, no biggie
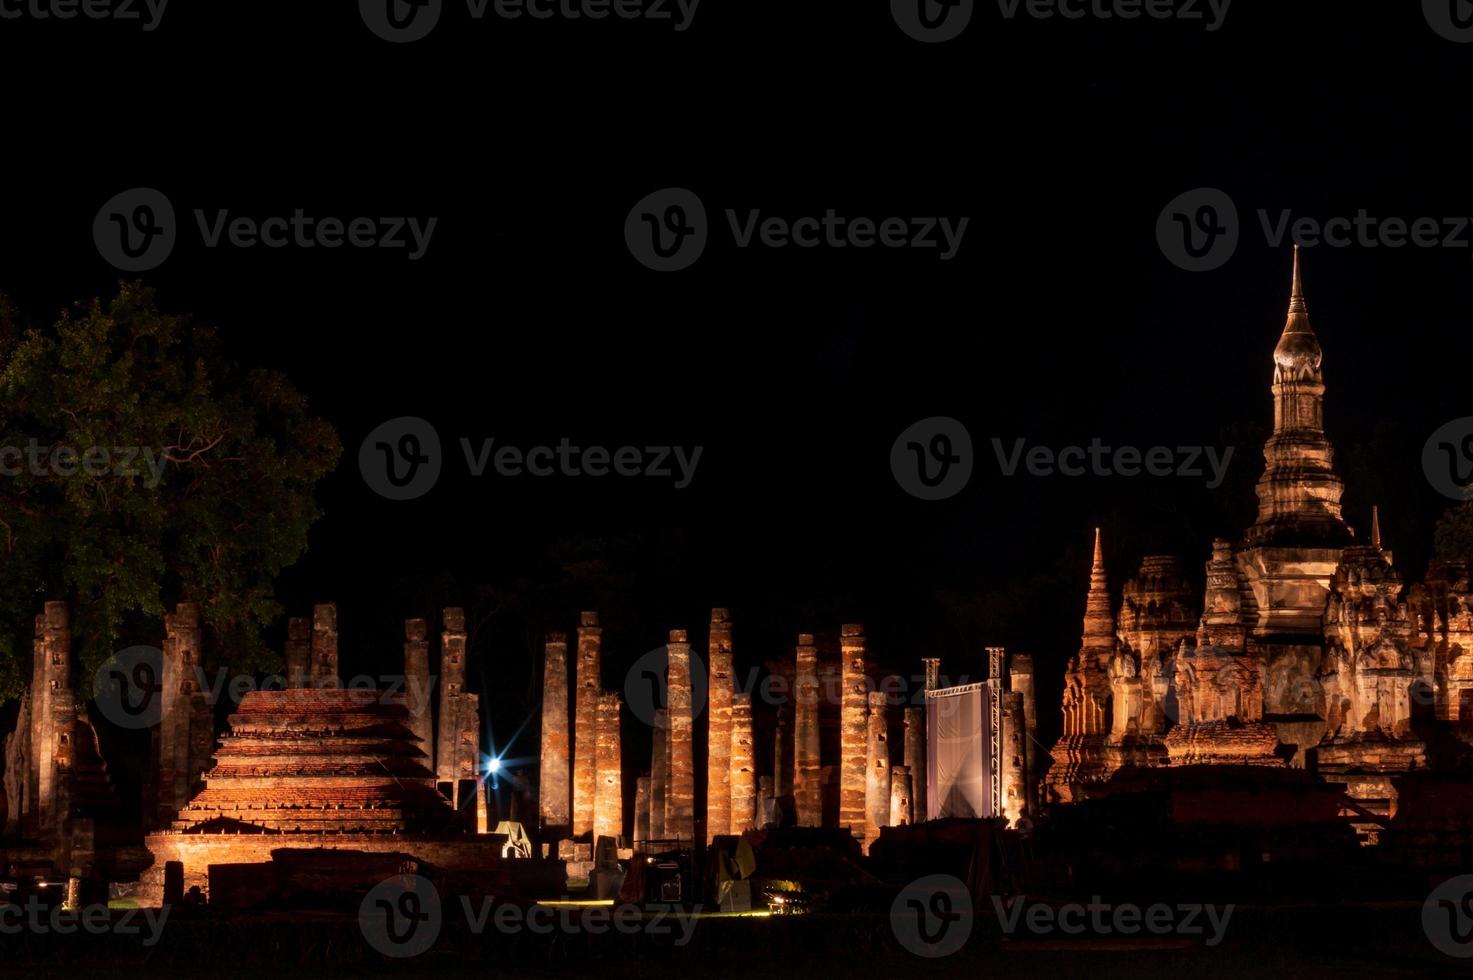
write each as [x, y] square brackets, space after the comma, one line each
[1296, 294]
[1375, 526]
[1299, 492]
[1099, 618]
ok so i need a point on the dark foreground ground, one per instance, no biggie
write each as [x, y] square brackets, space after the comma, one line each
[1341, 942]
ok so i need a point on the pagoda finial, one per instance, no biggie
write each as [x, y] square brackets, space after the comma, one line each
[1296, 295]
[1099, 621]
[1375, 526]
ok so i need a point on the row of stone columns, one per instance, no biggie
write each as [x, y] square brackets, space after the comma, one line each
[875, 790]
[581, 787]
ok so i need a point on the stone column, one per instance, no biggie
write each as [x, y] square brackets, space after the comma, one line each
[585, 722]
[853, 753]
[608, 803]
[324, 668]
[933, 672]
[877, 769]
[780, 769]
[179, 717]
[1020, 681]
[417, 687]
[448, 742]
[718, 727]
[1014, 781]
[902, 802]
[553, 787]
[807, 768]
[743, 765]
[298, 651]
[915, 760]
[54, 712]
[680, 792]
[641, 809]
[659, 774]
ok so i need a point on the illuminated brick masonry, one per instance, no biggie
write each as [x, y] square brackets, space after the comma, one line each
[322, 767]
[1307, 649]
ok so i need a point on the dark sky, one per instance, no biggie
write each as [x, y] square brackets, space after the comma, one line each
[528, 320]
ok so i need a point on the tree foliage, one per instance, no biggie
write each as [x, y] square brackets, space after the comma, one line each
[141, 467]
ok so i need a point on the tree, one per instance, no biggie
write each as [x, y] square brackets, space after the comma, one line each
[139, 467]
[1453, 535]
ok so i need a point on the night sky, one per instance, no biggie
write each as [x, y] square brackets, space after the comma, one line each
[528, 320]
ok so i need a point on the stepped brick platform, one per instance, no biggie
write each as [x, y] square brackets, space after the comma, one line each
[328, 769]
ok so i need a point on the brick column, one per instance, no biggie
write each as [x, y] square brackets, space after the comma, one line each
[417, 687]
[54, 707]
[718, 727]
[680, 792]
[449, 750]
[915, 759]
[877, 768]
[298, 651]
[743, 766]
[853, 753]
[659, 774]
[807, 767]
[179, 717]
[324, 668]
[608, 801]
[641, 809]
[902, 803]
[553, 788]
[1021, 682]
[585, 722]
[933, 672]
